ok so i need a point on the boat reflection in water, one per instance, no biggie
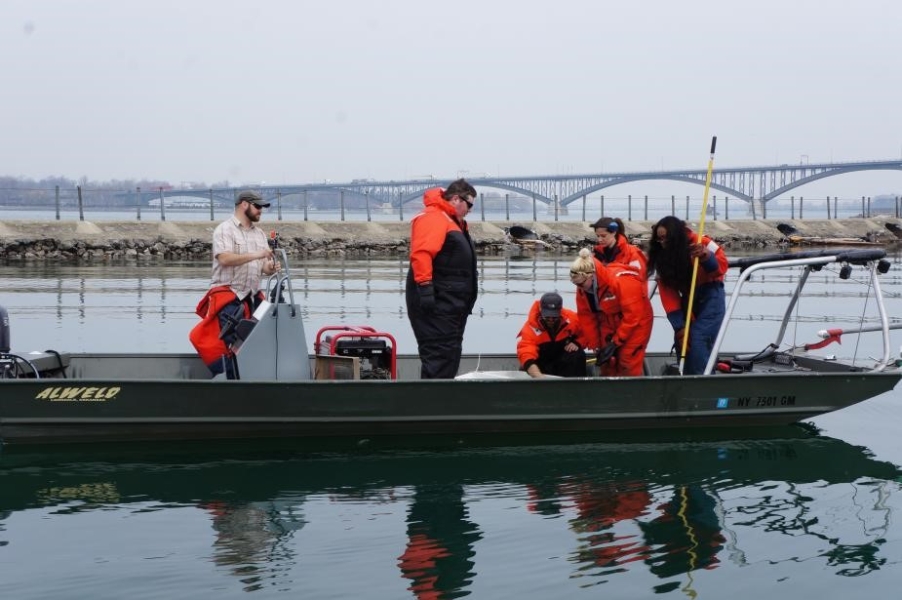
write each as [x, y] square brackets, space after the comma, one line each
[661, 512]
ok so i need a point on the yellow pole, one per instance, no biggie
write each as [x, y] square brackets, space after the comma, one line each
[701, 233]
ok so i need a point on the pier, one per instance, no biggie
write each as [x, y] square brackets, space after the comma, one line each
[101, 240]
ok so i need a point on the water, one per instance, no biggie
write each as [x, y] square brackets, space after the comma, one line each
[790, 511]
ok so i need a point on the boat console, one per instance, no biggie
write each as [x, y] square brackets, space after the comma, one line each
[272, 345]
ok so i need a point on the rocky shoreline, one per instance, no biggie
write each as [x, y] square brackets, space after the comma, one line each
[83, 241]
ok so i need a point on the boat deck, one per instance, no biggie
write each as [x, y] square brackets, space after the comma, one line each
[94, 366]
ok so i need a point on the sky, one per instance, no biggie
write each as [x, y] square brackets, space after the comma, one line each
[301, 91]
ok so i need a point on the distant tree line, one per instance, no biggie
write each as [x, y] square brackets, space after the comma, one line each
[19, 191]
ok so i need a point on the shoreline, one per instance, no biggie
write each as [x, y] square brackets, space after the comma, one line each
[174, 240]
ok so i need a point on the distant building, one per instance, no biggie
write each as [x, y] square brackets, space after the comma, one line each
[884, 205]
[185, 202]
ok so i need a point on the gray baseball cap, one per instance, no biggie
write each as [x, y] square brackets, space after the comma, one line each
[252, 197]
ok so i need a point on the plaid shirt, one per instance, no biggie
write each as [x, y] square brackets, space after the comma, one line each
[231, 236]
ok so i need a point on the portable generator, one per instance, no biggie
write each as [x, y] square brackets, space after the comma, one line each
[374, 349]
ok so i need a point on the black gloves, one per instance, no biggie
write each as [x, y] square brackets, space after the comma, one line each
[427, 298]
[606, 353]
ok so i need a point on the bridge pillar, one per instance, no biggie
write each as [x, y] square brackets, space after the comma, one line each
[757, 208]
[555, 207]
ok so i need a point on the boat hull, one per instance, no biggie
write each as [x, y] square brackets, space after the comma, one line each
[129, 406]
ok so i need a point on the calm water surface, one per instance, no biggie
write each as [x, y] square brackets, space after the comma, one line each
[789, 512]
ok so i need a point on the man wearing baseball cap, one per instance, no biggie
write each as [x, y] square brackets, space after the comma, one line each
[551, 341]
[241, 257]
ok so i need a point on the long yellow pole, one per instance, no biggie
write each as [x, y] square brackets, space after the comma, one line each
[701, 232]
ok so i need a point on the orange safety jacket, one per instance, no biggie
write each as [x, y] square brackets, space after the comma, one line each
[624, 253]
[441, 252]
[532, 335]
[711, 270]
[619, 312]
[205, 335]
[429, 231]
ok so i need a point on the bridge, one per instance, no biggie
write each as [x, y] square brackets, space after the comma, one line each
[750, 184]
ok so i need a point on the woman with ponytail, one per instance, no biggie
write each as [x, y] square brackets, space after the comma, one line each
[614, 312]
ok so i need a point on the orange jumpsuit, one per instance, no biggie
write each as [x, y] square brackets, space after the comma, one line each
[536, 345]
[624, 253]
[617, 310]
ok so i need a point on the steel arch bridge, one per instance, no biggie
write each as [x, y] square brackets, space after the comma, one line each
[750, 184]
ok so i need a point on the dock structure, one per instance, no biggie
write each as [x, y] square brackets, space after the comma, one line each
[181, 240]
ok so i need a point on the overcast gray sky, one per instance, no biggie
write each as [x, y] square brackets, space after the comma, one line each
[299, 91]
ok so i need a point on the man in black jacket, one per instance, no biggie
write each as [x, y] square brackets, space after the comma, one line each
[441, 282]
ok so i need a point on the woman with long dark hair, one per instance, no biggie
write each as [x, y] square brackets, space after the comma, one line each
[671, 252]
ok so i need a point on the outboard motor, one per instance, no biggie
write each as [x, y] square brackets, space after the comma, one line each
[4, 331]
[38, 364]
[9, 363]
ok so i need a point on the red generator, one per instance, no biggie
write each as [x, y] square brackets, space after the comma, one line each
[374, 349]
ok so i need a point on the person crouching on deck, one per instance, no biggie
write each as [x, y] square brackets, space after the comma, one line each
[615, 313]
[550, 342]
[241, 256]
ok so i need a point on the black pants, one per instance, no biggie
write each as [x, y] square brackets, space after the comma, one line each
[440, 338]
[563, 363]
[229, 316]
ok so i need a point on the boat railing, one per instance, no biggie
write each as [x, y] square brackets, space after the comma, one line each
[873, 259]
[279, 281]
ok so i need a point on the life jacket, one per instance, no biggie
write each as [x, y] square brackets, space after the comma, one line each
[442, 251]
[617, 310]
[712, 270]
[533, 338]
[205, 335]
[624, 253]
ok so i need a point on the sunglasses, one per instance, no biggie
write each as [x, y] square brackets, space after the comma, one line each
[467, 200]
